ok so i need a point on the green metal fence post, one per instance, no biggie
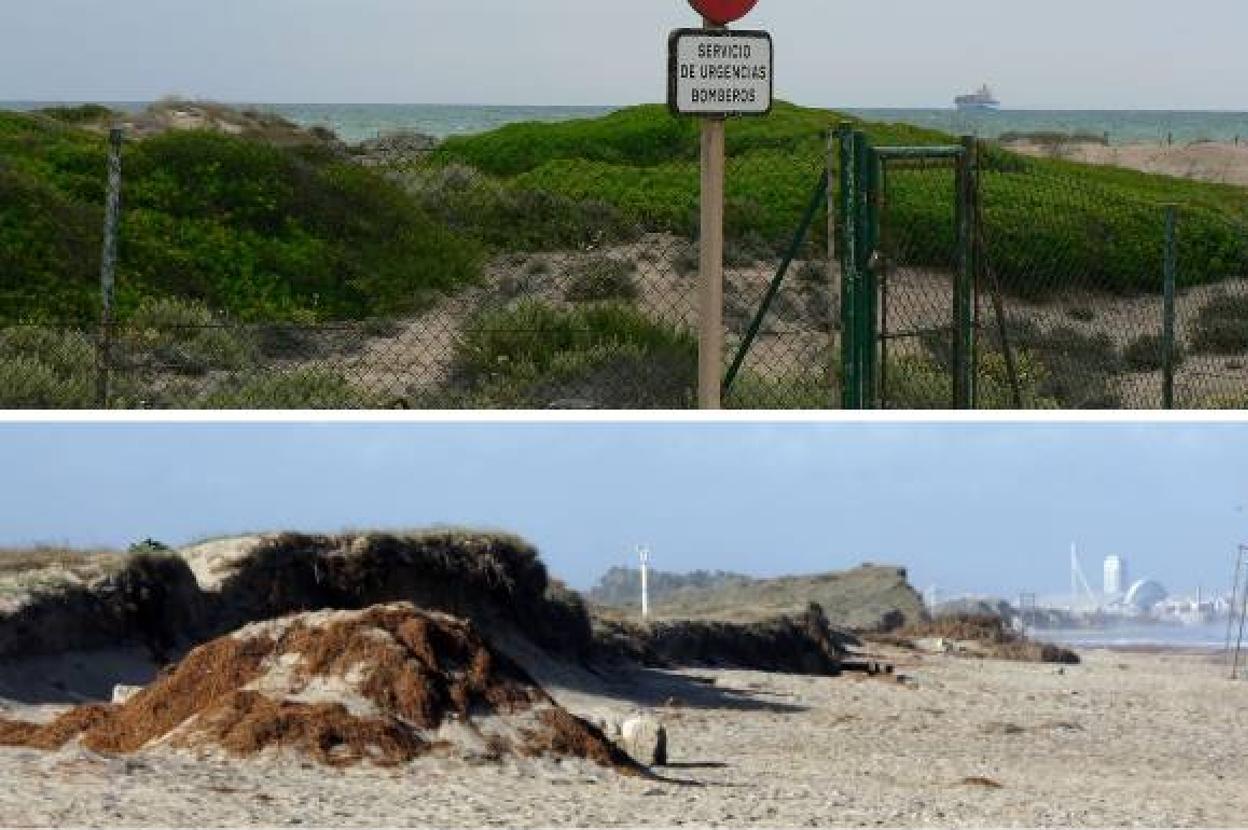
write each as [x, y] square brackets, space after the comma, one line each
[964, 280]
[868, 232]
[773, 289]
[848, 252]
[1167, 325]
[977, 218]
[835, 290]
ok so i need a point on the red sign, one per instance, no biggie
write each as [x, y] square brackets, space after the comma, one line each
[723, 12]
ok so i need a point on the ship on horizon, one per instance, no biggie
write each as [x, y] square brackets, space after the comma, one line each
[980, 101]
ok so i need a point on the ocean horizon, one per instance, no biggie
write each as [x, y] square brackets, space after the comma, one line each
[360, 122]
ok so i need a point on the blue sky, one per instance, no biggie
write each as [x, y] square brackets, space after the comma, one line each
[1089, 54]
[986, 508]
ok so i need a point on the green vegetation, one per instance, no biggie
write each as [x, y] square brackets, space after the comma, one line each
[186, 338]
[297, 389]
[1049, 224]
[865, 598]
[173, 354]
[1146, 353]
[1221, 327]
[1073, 369]
[80, 114]
[252, 230]
[603, 278]
[753, 391]
[46, 368]
[604, 355]
[279, 225]
[916, 382]
[514, 216]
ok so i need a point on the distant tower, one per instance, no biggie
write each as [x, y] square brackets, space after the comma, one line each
[1115, 575]
[1078, 580]
[643, 554]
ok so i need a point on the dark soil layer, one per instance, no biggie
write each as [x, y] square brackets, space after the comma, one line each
[494, 580]
[800, 644]
[497, 581]
[152, 599]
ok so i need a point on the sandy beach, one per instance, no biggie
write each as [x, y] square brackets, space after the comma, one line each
[1124, 739]
[1215, 162]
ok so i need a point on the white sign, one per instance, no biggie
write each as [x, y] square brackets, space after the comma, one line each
[720, 72]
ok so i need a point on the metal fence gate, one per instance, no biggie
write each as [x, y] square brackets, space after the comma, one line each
[909, 309]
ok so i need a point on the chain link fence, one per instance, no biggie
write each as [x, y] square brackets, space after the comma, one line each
[580, 302]
[1080, 298]
[586, 298]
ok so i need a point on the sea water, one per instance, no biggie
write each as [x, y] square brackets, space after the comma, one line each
[1209, 636]
[357, 122]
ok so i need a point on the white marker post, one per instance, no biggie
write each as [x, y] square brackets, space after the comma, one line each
[644, 555]
[714, 73]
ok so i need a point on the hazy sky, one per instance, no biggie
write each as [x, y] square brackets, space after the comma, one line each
[1114, 54]
[967, 507]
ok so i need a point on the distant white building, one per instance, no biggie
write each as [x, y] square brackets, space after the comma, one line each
[1115, 576]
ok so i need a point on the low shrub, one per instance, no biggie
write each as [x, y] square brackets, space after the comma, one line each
[47, 368]
[917, 383]
[1146, 353]
[79, 114]
[27, 383]
[298, 389]
[1221, 326]
[247, 228]
[753, 391]
[185, 337]
[687, 260]
[1229, 400]
[812, 273]
[604, 355]
[600, 278]
[927, 383]
[1079, 368]
[514, 217]
[1049, 224]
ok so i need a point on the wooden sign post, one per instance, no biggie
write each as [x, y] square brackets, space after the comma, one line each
[711, 266]
[714, 73]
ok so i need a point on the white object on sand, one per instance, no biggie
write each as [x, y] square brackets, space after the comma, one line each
[645, 740]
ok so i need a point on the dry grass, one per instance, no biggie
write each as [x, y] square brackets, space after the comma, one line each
[569, 736]
[865, 598]
[20, 560]
[25, 572]
[179, 114]
[994, 638]
[982, 628]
